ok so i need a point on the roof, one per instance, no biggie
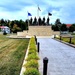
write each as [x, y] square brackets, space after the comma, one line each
[68, 25]
[4, 27]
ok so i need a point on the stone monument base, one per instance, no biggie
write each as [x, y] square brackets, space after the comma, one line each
[38, 31]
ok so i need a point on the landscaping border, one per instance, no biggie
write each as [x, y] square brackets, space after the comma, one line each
[31, 55]
[24, 62]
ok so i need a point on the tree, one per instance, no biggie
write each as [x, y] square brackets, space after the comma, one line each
[26, 23]
[63, 27]
[16, 28]
[56, 28]
[72, 28]
[21, 24]
[57, 22]
[12, 23]
[2, 22]
[31, 21]
[52, 27]
[15, 24]
[43, 22]
[35, 21]
[39, 21]
[48, 21]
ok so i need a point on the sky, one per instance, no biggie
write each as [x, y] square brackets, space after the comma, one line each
[18, 9]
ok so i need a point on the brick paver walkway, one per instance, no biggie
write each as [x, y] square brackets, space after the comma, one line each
[61, 57]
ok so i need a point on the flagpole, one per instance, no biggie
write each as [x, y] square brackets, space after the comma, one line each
[28, 24]
[38, 15]
[48, 15]
[29, 14]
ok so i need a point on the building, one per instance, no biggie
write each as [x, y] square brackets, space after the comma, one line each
[5, 28]
[68, 25]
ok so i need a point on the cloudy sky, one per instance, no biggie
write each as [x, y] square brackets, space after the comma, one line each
[17, 9]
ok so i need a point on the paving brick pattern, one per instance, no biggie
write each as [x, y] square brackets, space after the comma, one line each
[61, 57]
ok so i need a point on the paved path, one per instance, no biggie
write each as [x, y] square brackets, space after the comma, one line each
[61, 57]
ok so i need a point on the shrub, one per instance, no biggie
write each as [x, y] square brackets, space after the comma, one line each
[32, 64]
[32, 48]
[31, 71]
[32, 51]
[32, 56]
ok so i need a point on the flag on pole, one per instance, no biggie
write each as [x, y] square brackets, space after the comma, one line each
[39, 9]
[29, 14]
[49, 14]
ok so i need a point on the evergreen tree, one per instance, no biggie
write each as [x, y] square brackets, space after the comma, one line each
[57, 22]
[63, 27]
[15, 28]
[48, 21]
[35, 21]
[31, 21]
[12, 23]
[56, 28]
[2, 22]
[72, 28]
[39, 21]
[43, 22]
[26, 23]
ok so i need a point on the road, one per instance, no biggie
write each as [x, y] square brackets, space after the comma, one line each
[61, 57]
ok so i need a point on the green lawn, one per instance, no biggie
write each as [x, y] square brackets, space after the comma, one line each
[68, 39]
[12, 52]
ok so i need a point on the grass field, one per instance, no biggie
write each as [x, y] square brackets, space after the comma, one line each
[66, 39]
[12, 52]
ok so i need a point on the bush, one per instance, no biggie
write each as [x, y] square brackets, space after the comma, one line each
[32, 56]
[32, 51]
[32, 59]
[32, 47]
[32, 64]
[31, 71]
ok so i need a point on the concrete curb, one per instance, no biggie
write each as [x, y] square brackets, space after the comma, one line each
[24, 62]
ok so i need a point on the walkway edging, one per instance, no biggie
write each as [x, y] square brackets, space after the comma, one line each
[24, 62]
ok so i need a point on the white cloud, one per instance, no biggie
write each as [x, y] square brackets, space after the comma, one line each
[17, 9]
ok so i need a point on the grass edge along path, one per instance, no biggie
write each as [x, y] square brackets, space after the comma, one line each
[66, 40]
[30, 65]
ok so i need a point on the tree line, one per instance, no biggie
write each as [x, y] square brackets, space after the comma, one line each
[39, 21]
[15, 25]
[58, 26]
[20, 25]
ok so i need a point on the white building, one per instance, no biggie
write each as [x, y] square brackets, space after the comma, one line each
[5, 28]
